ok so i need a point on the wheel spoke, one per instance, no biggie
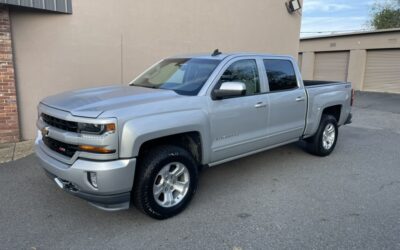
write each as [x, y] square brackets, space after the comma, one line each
[330, 129]
[157, 190]
[178, 171]
[168, 198]
[180, 186]
[164, 172]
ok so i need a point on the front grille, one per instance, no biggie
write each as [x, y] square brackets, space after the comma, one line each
[59, 123]
[60, 147]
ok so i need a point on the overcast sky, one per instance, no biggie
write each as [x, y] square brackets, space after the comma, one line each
[334, 16]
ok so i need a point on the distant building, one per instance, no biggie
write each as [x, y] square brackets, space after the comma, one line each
[370, 60]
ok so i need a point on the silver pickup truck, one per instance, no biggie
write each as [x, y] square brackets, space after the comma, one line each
[145, 143]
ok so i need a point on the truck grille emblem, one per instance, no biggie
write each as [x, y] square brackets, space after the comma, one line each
[45, 131]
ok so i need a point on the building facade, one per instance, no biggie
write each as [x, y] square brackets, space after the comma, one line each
[369, 60]
[110, 42]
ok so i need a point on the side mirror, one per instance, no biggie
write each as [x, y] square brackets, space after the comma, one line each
[230, 89]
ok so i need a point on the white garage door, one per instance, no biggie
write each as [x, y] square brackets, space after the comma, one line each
[382, 72]
[331, 66]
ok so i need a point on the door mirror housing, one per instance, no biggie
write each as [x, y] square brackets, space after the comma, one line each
[229, 89]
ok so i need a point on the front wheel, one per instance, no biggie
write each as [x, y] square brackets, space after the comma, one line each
[165, 182]
[324, 140]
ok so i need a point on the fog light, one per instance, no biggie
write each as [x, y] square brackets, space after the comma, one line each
[92, 176]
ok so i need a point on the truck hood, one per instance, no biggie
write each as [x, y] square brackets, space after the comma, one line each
[94, 101]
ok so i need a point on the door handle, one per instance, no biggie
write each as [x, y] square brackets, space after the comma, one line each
[300, 99]
[260, 105]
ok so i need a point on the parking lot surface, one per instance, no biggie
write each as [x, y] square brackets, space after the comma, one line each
[280, 199]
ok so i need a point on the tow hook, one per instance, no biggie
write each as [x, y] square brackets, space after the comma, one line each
[59, 183]
[65, 185]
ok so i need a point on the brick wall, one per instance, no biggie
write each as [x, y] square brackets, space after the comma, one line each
[9, 127]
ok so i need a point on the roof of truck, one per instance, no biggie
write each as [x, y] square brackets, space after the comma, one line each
[225, 55]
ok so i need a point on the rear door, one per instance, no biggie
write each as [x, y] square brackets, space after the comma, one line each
[239, 125]
[287, 101]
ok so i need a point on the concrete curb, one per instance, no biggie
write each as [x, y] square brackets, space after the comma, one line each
[15, 151]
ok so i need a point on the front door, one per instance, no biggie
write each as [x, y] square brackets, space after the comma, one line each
[239, 125]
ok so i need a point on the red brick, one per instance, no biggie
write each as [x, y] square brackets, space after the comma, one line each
[9, 123]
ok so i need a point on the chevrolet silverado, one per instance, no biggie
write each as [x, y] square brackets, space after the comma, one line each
[145, 143]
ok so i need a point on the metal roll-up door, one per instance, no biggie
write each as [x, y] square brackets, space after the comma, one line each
[331, 66]
[382, 72]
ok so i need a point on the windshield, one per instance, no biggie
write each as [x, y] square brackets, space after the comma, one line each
[185, 76]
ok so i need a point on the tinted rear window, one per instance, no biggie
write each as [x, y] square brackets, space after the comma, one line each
[281, 75]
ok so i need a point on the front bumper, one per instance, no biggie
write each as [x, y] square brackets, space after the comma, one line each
[114, 179]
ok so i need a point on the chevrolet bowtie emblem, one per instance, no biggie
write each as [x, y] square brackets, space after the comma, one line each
[45, 131]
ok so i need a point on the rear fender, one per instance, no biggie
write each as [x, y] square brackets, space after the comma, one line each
[319, 103]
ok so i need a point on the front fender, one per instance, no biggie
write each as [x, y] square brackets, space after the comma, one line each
[137, 131]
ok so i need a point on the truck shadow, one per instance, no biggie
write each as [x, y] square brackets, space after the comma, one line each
[235, 191]
[261, 166]
[41, 203]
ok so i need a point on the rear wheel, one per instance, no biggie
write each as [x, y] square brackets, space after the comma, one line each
[324, 140]
[165, 182]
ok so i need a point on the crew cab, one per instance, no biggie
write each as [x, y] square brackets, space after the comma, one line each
[144, 143]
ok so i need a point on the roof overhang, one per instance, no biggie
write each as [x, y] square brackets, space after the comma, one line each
[60, 6]
[382, 31]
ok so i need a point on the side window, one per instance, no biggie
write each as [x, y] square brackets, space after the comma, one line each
[281, 75]
[244, 71]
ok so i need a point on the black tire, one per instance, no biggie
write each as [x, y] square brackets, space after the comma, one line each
[315, 143]
[148, 168]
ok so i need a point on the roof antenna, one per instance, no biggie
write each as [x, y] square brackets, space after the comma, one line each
[216, 53]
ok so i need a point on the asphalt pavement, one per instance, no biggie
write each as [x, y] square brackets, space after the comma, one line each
[280, 199]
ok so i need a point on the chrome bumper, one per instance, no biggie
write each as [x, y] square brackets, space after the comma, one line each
[114, 178]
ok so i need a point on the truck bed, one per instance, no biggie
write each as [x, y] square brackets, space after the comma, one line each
[309, 83]
[326, 93]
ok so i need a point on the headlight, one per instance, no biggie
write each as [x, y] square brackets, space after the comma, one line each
[98, 129]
